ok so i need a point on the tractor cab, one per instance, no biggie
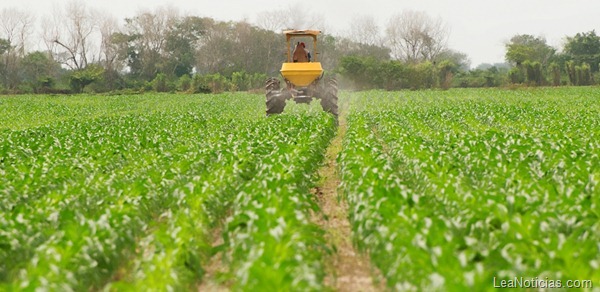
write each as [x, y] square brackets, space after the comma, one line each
[302, 66]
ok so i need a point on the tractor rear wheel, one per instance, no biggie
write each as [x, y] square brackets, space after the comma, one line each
[329, 99]
[275, 98]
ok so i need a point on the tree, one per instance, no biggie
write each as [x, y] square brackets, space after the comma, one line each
[364, 30]
[81, 78]
[109, 51]
[229, 47]
[181, 44]
[584, 48]
[4, 46]
[554, 69]
[446, 69]
[459, 59]
[15, 29]
[39, 71]
[533, 72]
[526, 47]
[143, 44]
[71, 36]
[571, 72]
[293, 17]
[415, 37]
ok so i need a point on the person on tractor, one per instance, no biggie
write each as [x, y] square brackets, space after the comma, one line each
[301, 54]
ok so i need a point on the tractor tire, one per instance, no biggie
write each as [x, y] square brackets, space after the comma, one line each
[329, 98]
[275, 98]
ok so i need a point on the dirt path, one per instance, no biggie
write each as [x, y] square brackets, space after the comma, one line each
[210, 281]
[348, 270]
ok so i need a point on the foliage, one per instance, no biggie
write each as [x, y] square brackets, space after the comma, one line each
[451, 190]
[446, 190]
[4, 46]
[571, 71]
[579, 75]
[362, 71]
[555, 73]
[236, 56]
[216, 83]
[525, 47]
[243, 81]
[198, 85]
[516, 76]
[79, 79]
[489, 77]
[584, 75]
[160, 83]
[184, 83]
[124, 193]
[533, 73]
[370, 73]
[584, 48]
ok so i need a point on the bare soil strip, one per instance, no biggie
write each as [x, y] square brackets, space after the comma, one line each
[210, 280]
[348, 269]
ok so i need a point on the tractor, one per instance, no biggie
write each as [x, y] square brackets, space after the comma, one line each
[303, 76]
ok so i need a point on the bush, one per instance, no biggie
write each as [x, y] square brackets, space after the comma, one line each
[214, 83]
[198, 85]
[516, 76]
[79, 79]
[160, 83]
[185, 83]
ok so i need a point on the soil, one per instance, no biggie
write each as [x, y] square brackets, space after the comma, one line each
[347, 268]
[214, 268]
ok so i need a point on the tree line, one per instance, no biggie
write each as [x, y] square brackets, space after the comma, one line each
[83, 50]
[530, 61]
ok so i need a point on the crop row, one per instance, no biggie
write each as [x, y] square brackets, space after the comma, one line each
[130, 199]
[454, 191]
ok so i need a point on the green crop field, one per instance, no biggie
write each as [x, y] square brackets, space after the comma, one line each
[450, 190]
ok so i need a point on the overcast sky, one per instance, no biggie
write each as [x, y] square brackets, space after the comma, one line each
[479, 28]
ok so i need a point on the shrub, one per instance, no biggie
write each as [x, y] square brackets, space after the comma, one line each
[516, 76]
[185, 83]
[160, 83]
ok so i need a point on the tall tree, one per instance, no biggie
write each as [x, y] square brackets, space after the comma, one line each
[108, 27]
[181, 44]
[15, 28]
[364, 30]
[526, 47]
[71, 35]
[413, 36]
[109, 51]
[40, 71]
[143, 45]
[584, 48]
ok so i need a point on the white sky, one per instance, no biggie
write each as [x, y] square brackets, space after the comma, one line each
[479, 28]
